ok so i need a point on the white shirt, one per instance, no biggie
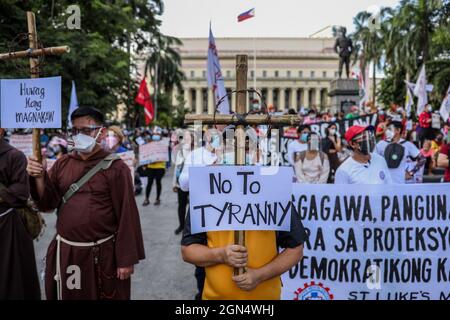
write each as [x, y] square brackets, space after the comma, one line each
[199, 157]
[293, 147]
[398, 174]
[312, 171]
[354, 172]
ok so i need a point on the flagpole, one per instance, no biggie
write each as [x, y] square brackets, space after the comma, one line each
[156, 88]
[254, 63]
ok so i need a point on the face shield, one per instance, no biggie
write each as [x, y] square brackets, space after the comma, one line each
[365, 142]
[314, 143]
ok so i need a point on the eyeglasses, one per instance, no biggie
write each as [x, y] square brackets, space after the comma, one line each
[85, 130]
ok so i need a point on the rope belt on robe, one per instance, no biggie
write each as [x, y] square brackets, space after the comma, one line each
[6, 212]
[60, 239]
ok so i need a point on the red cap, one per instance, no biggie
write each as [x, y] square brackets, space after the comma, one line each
[355, 130]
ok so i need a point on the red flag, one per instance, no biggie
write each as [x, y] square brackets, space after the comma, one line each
[143, 98]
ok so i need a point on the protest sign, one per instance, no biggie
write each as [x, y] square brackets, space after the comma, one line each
[436, 121]
[372, 243]
[155, 151]
[30, 103]
[239, 198]
[343, 125]
[128, 157]
[287, 136]
[22, 142]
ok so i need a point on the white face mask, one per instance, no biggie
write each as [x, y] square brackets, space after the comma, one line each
[83, 143]
[389, 134]
[332, 131]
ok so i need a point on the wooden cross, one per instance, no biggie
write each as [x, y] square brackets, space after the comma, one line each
[241, 120]
[34, 53]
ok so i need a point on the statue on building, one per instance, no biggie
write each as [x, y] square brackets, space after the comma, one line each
[343, 47]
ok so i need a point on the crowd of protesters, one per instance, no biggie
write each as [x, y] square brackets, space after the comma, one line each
[314, 157]
[396, 150]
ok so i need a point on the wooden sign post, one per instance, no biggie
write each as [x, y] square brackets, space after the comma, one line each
[33, 53]
[241, 120]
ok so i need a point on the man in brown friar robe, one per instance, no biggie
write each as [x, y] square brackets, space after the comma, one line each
[99, 238]
[18, 275]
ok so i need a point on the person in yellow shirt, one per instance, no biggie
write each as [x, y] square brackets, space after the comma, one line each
[218, 255]
[155, 171]
[437, 143]
[263, 262]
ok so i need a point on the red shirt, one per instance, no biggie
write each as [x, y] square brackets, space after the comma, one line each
[445, 150]
[423, 118]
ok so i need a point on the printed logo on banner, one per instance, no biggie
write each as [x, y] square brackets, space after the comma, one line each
[313, 291]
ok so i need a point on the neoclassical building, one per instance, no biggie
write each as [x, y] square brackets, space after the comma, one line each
[290, 72]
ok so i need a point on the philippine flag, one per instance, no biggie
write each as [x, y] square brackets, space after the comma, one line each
[246, 15]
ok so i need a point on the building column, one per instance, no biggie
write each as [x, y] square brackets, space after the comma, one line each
[198, 101]
[282, 99]
[210, 101]
[318, 94]
[269, 96]
[188, 98]
[327, 98]
[306, 98]
[293, 99]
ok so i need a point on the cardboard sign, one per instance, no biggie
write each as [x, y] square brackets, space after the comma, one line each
[239, 198]
[155, 151]
[30, 103]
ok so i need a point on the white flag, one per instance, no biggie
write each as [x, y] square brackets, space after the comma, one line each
[215, 78]
[412, 86]
[73, 104]
[445, 107]
[409, 102]
[420, 91]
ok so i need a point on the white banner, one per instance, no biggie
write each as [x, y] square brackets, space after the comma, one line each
[239, 198]
[30, 103]
[372, 242]
[155, 151]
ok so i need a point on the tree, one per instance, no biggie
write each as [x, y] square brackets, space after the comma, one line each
[414, 33]
[164, 66]
[368, 39]
[101, 61]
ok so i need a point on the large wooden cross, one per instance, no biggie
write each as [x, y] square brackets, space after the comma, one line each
[241, 119]
[33, 53]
